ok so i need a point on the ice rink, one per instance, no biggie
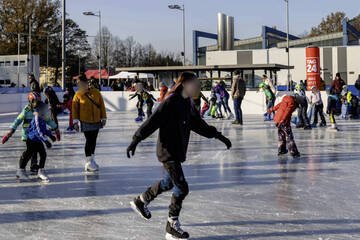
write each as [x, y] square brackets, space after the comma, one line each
[244, 193]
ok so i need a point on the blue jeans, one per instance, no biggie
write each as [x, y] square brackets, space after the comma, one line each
[237, 108]
[226, 104]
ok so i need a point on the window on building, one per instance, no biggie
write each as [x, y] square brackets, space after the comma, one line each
[16, 63]
[22, 63]
[2, 64]
[7, 63]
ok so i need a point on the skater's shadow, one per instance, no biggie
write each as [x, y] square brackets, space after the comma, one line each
[300, 222]
[31, 216]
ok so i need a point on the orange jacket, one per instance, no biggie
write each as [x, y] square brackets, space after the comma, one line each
[284, 110]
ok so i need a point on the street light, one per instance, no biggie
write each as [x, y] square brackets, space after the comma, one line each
[97, 14]
[178, 7]
[287, 43]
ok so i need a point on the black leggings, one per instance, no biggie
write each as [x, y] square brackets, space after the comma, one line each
[90, 144]
[32, 148]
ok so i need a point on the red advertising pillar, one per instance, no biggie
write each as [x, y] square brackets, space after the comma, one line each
[313, 67]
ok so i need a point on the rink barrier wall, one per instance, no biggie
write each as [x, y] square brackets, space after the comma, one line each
[253, 103]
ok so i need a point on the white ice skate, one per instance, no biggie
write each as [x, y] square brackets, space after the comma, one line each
[174, 231]
[93, 162]
[42, 175]
[21, 175]
[231, 116]
[333, 128]
[90, 166]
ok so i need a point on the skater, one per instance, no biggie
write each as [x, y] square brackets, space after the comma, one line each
[316, 101]
[268, 82]
[163, 91]
[88, 108]
[24, 119]
[331, 108]
[37, 133]
[174, 118]
[357, 85]
[34, 84]
[221, 89]
[238, 90]
[143, 97]
[67, 104]
[53, 101]
[303, 120]
[197, 100]
[270, 99]
[282, 118]
[211, 111]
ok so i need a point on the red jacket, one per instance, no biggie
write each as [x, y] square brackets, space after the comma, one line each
[284, 110]
[163, 91]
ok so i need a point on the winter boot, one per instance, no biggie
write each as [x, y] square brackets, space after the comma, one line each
[139, 205]
[89, 165]
[42, 175]
[174, 231]
[21, 174]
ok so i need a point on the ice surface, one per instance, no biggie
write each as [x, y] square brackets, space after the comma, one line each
[245, 193]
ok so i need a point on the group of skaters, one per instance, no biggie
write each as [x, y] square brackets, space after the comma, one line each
[39, 123]
[179, 112]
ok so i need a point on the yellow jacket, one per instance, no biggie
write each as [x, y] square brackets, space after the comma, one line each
[88, 106]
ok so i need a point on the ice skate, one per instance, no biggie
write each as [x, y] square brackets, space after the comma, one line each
[333, 128]
[281, 153]
[140, 207]
[93, 162]
[322, 125]
[42, 175]
[174, 231]
[89, 165]
[296, 155]
[70, 128]
[21, 175]
[230, 116]
[139, 119]
[307, 127]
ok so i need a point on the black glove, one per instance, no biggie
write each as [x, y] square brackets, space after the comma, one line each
[225, 140]
[48, 144]
[131, 148]
[52, 137]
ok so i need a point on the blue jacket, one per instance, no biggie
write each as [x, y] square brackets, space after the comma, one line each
[37, 131]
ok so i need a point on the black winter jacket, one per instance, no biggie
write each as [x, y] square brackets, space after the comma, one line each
[175, 118]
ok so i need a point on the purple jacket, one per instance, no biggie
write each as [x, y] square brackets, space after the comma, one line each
[220, 90]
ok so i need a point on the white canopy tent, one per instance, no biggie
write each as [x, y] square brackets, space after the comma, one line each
[132, 75]
[123, 75]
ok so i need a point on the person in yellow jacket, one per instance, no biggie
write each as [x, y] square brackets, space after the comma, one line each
[89, 110]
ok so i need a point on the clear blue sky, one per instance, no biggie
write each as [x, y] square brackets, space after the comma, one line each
[150, 21]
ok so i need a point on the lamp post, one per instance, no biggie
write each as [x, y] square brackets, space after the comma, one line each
[63, 46]
[287, 44]
[98, 14]
[178, 7]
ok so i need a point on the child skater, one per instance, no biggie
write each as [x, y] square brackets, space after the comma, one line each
[282, 118]
[270, 99]
[331, 109]
[315, 99]
[67, 104]
[175, 118]
[24, 119]
[37, 133]
[143, 96]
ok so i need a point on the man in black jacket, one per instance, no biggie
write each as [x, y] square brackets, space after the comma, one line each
[175, 118]
[34, 85]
